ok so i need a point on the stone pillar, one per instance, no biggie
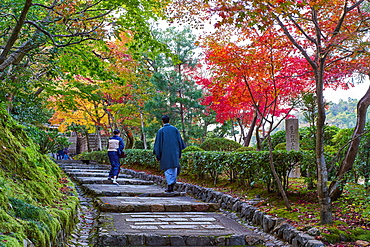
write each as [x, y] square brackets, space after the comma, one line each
[292, 142]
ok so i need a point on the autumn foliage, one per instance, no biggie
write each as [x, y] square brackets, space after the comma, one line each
[107, 97]
[263, 75]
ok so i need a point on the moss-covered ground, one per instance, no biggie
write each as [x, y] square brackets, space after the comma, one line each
[37, 200]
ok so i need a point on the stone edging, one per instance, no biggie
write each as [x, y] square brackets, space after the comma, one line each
[245, 210]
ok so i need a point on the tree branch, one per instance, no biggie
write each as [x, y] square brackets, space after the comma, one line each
[301, 29]
[16, 30]
[51, 36]
[295, 43]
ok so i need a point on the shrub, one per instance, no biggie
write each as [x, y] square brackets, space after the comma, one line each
[276, 138]
[192, 149]
[139, 144]
[362, 163]
[280, 146]
[219, 144]
[330, 149]
[247, 168]
[142, 157]
[245, 149]
[48, 141]
[98, 156]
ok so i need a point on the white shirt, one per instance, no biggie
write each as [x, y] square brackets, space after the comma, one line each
[113, 145]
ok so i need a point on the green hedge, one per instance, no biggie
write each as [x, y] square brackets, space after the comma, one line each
[99, 156]
[219, 144]
[244, 149]
[192, 149]
[143, 157]
[245, 168]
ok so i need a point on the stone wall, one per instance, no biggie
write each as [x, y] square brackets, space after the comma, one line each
[79, 144]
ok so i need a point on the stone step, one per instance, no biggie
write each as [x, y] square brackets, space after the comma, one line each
[78, 163]
[95, 174]
[63, 162]
[129, 190]
[84, 166]
[173, 229]
[104, 180]
[124, 204]
[68, 170]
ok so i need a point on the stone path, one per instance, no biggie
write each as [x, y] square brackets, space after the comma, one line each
[139, 213]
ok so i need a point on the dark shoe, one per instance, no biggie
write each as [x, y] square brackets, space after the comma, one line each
[169, 188]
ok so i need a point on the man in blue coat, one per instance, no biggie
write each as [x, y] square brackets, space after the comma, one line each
[167, 149]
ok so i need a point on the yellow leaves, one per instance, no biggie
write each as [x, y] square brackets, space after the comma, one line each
[87, 113]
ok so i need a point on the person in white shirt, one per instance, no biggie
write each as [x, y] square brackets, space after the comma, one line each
[115, 148]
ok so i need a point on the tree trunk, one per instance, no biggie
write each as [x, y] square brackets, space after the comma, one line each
[233, 133]
[242, 131]
[274, 173]
[130, 139]
[322, 173]
[247, 140]
[17, 56]
[15, 33]
[184, 135]
[143, 130]
[336, 187]
[182, 114]
[98, 138]
[258, 140]
[88, 142]
[310, 184]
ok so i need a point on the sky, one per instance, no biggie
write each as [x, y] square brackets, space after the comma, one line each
[354, 93]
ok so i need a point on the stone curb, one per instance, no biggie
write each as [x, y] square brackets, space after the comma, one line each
[134, 207]
[156, 240]
[246, 211]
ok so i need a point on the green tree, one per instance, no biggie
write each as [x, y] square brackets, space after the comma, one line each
[34, 34]
[31, 34]
[28, 27]
[177, 93]
[49, 141]
[102, 90]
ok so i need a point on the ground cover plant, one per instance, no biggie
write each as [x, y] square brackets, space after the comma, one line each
[38, 203]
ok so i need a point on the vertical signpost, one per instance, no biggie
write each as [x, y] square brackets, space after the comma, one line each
[292, 142]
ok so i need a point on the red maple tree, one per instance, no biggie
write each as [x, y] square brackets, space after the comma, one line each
[254, 81]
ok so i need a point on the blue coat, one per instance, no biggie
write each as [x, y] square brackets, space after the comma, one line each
[168, 146]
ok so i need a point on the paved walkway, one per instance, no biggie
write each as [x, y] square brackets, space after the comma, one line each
[140, 213]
